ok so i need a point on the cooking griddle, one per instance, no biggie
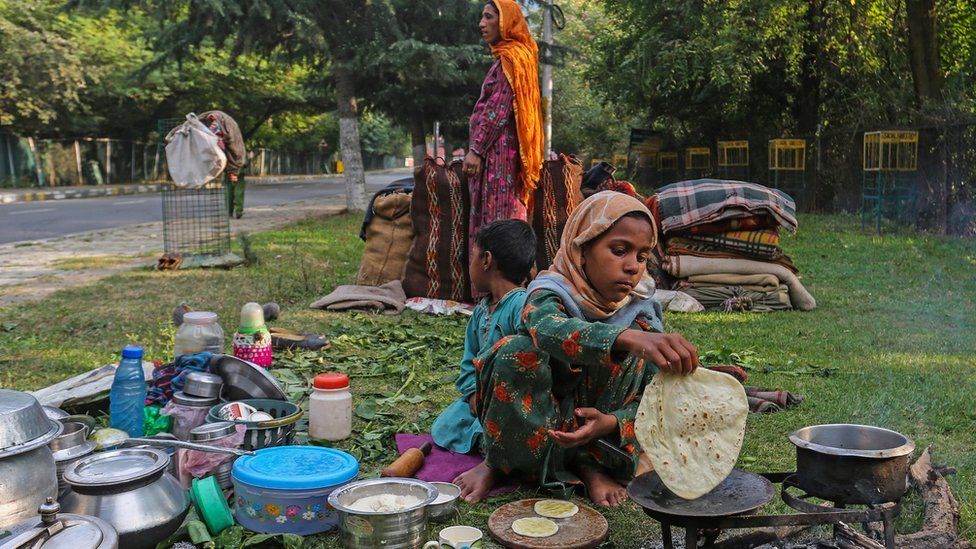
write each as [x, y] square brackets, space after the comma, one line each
[584, 530]
[739, 493]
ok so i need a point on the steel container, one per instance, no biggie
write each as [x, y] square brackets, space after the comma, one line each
[69, 447]
[852, 464]
[202, 384]
[56, 530]
[404, 529]
[28, 475]
[131, 490]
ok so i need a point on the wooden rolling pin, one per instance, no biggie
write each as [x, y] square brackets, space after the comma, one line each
[409, 463]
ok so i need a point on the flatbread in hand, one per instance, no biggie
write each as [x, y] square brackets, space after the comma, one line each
[691, 428]
[535, 527]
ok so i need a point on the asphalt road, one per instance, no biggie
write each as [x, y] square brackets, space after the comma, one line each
[37, 220]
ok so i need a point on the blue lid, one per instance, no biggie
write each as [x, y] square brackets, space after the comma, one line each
[131, 351]
[296, 468]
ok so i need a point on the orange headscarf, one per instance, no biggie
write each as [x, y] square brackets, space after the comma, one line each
[519, 55]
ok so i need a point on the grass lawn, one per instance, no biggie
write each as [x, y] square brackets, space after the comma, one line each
[895, 330]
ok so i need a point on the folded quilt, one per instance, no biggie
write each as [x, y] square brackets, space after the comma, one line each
[763, 243]
[388, 298]
[702, 201]
[683, 266]
[705, 250]
[768, 282]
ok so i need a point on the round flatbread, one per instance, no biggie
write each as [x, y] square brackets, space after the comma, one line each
[691, 428]
[555, 508]
[535, 527]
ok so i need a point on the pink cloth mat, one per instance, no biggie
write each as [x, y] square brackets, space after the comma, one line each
[443, 465]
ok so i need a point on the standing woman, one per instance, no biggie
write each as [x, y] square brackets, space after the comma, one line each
[505, 147]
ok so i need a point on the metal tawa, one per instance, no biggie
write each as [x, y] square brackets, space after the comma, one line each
[739, 493]
[245, 380]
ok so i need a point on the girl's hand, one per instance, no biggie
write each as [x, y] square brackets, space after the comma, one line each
[473, 404]
[670, 352]
[472, 164]
[597, 424]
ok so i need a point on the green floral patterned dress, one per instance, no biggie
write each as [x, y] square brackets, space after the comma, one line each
[532, 382]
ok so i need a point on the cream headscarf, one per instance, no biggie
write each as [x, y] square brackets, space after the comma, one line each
[593, 217]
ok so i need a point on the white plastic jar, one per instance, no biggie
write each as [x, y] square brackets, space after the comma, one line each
[330, 408]
[199, 333]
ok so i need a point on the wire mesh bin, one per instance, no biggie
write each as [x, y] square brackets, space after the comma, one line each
[195, 221]
[787, 165]
[733, 159]
[889, 186]
[698, 161]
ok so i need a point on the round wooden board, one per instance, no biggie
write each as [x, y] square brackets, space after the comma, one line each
[583, 530]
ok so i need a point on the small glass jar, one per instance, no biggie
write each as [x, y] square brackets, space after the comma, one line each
[199, 333]
[330, 408]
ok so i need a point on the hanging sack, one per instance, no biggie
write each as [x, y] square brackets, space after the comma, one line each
[193, 154]
[437, 265]
[388, 239]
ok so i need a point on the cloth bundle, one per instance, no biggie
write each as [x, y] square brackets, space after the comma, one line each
[388, 237]
[554, 199]
[437, 264]
[721, 242]
[387, 299]
[761, 400]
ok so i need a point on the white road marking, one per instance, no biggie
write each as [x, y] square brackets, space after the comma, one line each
[22, 212]
[124, 202]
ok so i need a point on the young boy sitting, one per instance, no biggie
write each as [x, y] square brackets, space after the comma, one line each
[501, 260]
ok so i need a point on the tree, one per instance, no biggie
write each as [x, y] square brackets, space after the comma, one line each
[41, 73]
[429, 69]
[327, 35]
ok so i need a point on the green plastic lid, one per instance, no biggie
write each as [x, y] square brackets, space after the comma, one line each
[211, 504]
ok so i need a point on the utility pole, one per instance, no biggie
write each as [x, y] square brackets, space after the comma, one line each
[437, 139]
[547, 79]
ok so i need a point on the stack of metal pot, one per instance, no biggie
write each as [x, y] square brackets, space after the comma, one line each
[28, 475]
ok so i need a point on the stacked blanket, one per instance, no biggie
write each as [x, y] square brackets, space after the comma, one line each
[721, 241]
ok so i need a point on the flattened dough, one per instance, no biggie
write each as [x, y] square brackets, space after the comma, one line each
[555, 508]
[691, 428]
[535, 527]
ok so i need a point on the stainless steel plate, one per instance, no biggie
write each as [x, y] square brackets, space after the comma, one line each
[245, 380]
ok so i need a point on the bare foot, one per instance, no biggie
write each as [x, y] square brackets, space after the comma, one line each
[603, 490]
[643, 465]
[476, 482]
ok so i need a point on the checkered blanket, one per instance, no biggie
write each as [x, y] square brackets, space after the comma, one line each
[701, 201]
[761, 244]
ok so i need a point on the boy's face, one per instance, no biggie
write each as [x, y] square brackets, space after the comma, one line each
[615, 262]
[478, 269]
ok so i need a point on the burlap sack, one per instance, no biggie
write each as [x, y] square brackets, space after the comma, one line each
[554, 199]
[437, 265]
[388, 239]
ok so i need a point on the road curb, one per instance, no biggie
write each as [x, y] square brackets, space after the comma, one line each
[64, 193]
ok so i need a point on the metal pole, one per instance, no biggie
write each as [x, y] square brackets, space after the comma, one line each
[547, 79]
[437, 139]
[108, 161]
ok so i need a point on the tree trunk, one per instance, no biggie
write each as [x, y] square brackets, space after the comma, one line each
[806, 109]
[352, 156]
[418, 139]
[923, 49]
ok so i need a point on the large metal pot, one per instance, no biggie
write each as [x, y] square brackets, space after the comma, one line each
[852, 464]
[28, 475]
[131, 490]
[405, 529]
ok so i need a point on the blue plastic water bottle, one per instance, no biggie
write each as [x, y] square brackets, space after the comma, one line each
[128, 396]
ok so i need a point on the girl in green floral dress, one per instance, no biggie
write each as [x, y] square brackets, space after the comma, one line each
[591, 339]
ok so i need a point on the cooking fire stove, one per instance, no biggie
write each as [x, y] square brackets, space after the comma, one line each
[732, 505]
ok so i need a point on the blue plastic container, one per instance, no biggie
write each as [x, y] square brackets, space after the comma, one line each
[127, 398]
[285, 489]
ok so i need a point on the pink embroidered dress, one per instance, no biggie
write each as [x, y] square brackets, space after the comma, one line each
[495, 192]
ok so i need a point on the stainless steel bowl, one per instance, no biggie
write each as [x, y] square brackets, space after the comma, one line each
[69, 447]
[202, 384]
[23, 423]
[400, 530]
[184, 399]
[439, 512]
[245, 380]
[55, 413]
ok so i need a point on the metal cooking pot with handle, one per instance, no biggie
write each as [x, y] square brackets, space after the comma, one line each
[52, 530]
[131, 490]
[852, 464]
